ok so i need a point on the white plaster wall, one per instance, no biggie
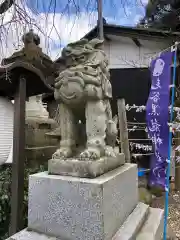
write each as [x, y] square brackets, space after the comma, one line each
[122, 52]
[6, 129]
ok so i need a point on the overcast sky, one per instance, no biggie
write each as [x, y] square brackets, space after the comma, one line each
[62, 23]
[124, 12]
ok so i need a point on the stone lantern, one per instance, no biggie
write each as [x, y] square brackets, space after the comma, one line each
[25, 74]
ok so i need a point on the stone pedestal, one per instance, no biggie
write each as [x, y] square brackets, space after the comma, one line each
[79, 208]
[86, 168]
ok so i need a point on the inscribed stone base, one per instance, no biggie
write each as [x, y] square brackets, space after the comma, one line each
[80, 208]
[85, 169]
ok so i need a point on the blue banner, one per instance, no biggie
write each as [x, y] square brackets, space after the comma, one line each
[157, 116]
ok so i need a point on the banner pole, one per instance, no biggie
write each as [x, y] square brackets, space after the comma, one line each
[169, 145]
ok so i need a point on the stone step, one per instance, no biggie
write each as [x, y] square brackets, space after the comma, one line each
[153, 227]
[133, 223]
[30, 235]
[151, 230]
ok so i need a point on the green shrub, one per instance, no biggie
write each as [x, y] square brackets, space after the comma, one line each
[5, 196]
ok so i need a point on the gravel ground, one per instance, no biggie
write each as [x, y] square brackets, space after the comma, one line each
[174, 213]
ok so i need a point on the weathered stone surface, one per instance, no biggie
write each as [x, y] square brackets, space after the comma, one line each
[133, 223]
[36, 129]
[38, 155]
[30, 235]
[83, 91]
[153, 227]
[89, 169]
[32, 54]
[35, 108]
[80, 208]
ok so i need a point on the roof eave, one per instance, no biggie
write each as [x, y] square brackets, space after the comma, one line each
[132, 32]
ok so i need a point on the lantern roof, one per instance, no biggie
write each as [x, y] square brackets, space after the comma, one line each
[31, 63]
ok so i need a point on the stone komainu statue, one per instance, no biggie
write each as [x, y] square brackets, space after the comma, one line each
[83, 91]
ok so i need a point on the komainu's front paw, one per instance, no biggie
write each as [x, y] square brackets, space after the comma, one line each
[90, 154]
[63, 153]
[110, 152]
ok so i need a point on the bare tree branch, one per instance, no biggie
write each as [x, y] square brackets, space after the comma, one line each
[6, 5]
[17, 17]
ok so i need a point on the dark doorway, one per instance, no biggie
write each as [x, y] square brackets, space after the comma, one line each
[133, 85]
